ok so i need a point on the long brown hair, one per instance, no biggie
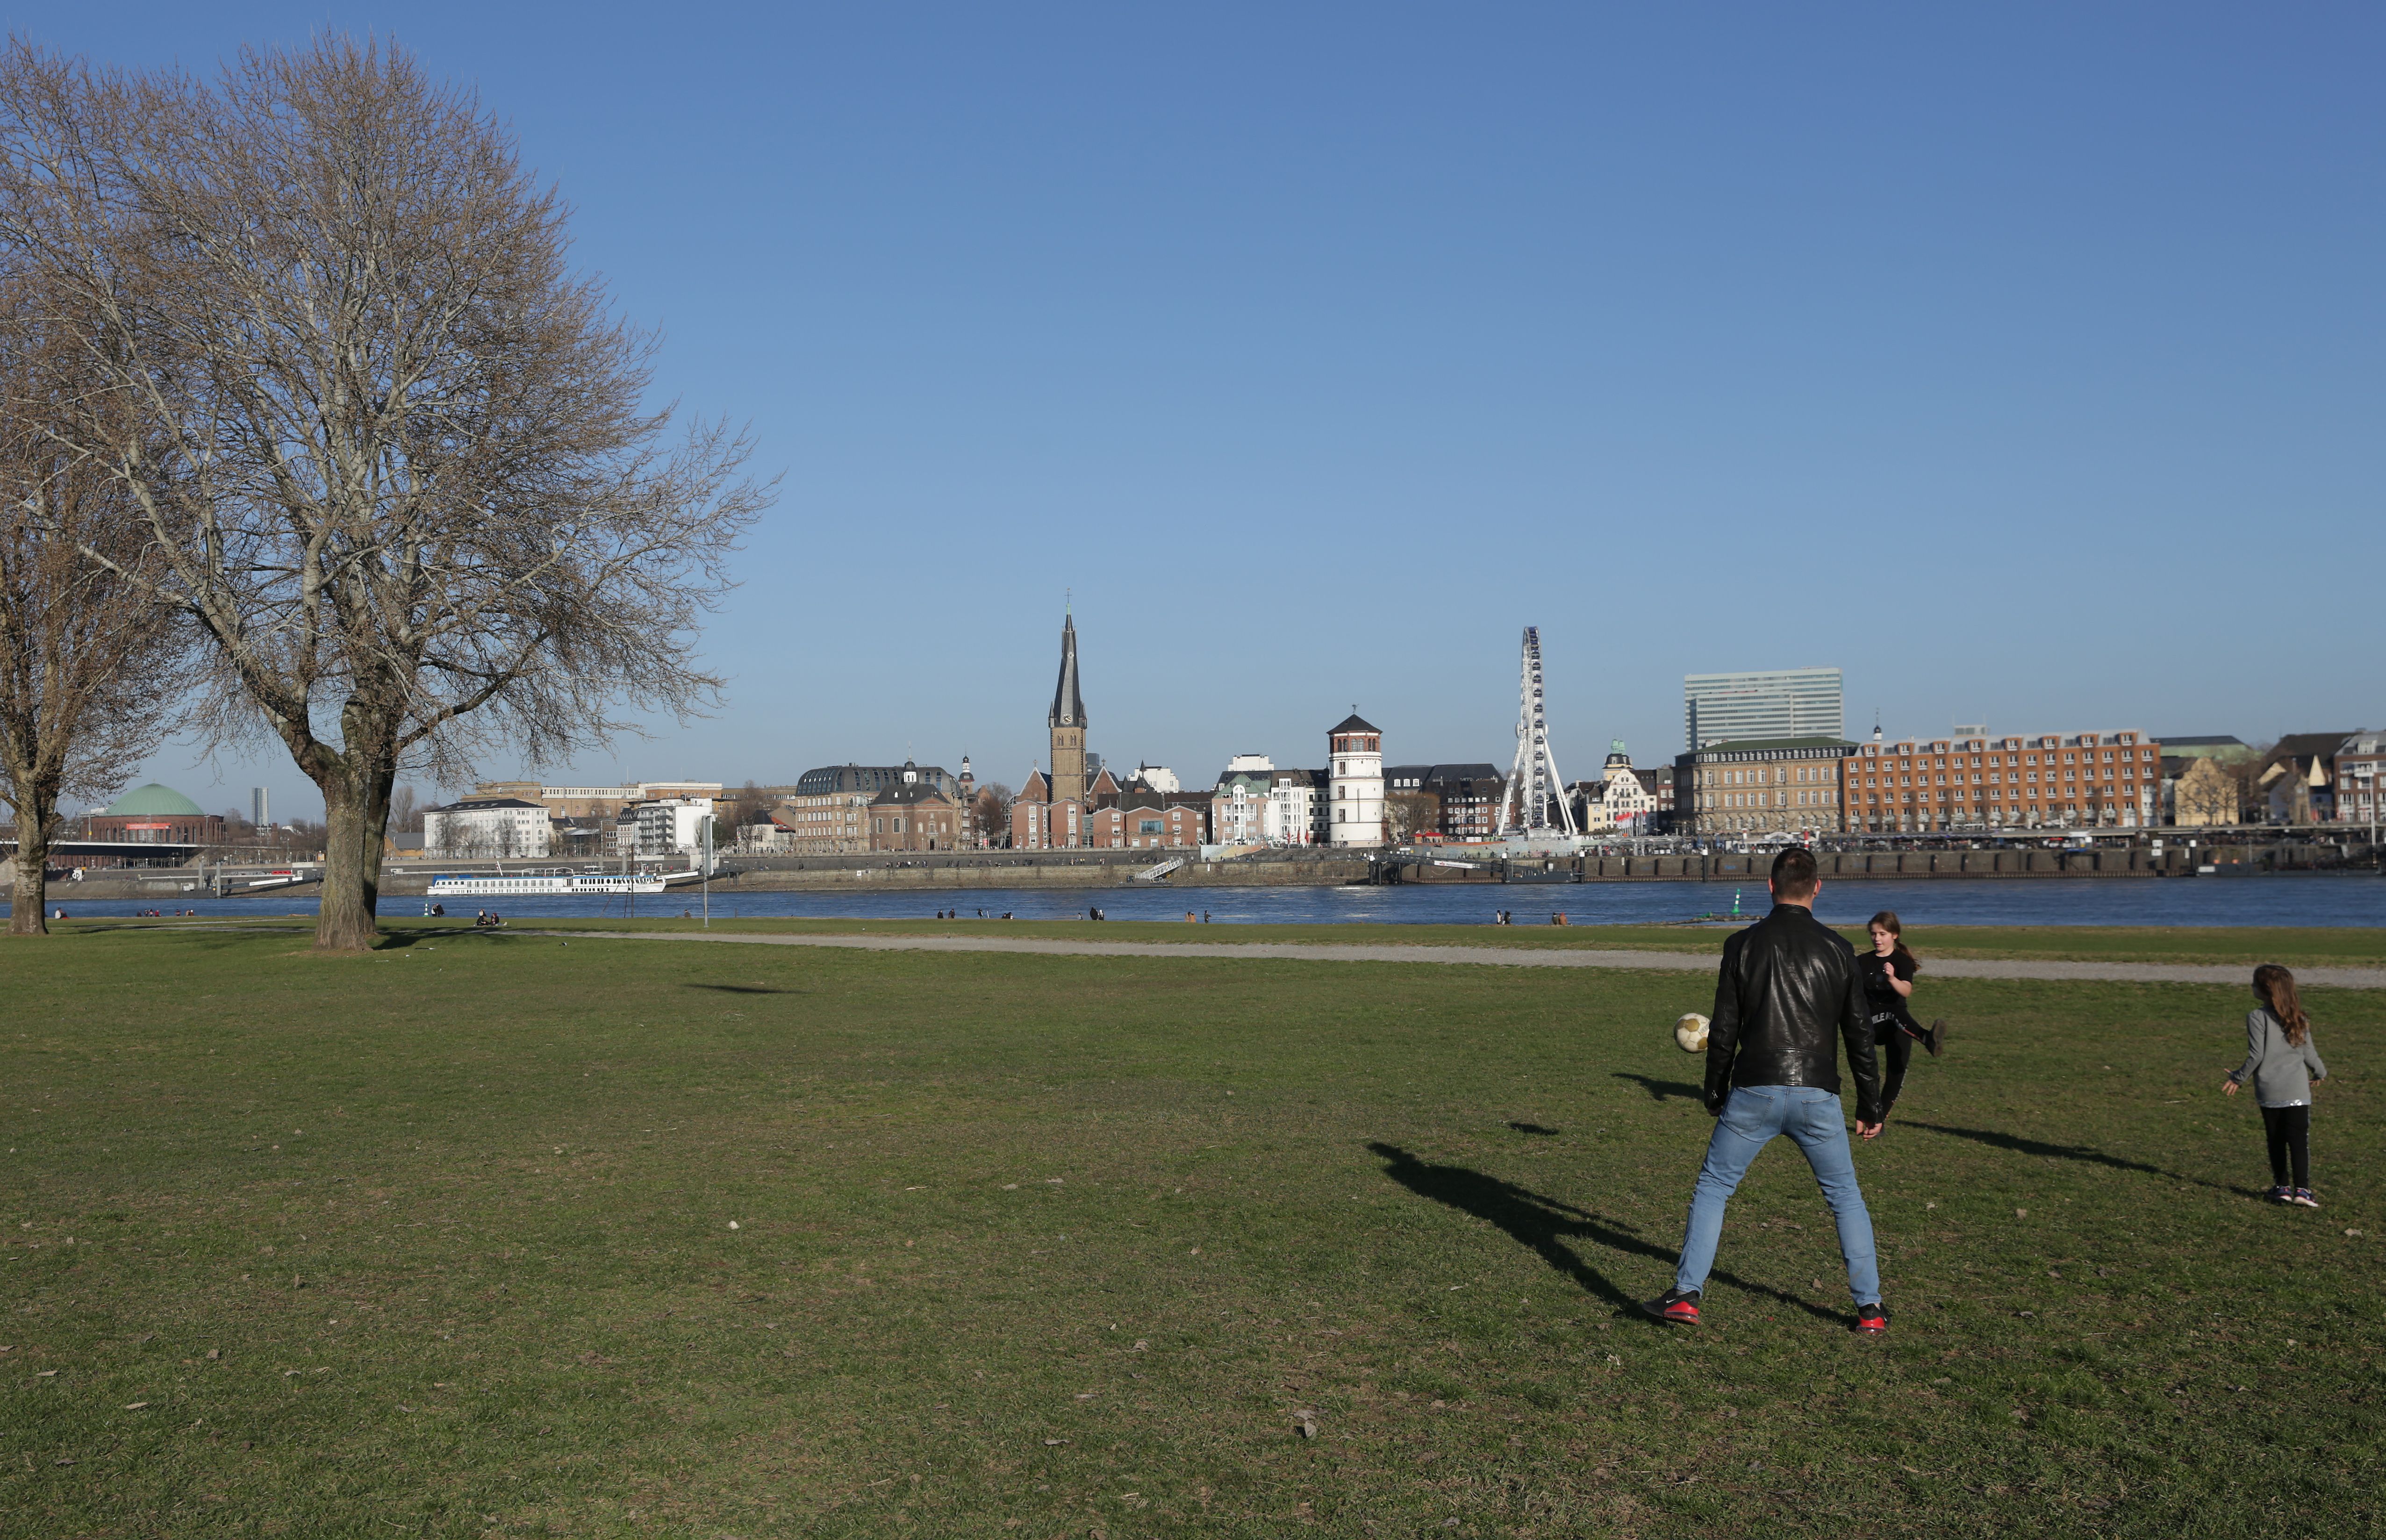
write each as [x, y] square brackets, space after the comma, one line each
[2276, 985]
[1887, 920]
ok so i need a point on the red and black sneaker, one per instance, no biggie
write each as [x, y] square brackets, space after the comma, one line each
[1675, 1307]
[1871, 1320]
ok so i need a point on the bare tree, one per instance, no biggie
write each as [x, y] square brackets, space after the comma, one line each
[990, 812]
[2206, 794]
[405, 811]
[90, 663]
[1408, 815]
[395, 454]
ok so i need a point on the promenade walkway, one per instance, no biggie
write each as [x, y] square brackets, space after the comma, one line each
[1492, 956]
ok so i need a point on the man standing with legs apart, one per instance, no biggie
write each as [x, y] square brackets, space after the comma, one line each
[1788, 982]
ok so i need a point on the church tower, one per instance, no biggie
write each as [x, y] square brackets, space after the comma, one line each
[1068, 722]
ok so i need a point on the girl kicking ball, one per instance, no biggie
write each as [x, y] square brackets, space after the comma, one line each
[1889, 971]
[2282, 1060]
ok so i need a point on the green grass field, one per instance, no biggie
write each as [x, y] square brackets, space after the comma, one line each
[439, 1241]
[2308, 948]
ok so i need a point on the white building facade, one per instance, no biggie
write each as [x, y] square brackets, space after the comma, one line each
[1292, 808]
[1355, 777]
[672, 825]
[487, 828]
[1239, 806]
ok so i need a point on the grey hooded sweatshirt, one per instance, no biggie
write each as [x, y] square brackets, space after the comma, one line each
[2281, 1072]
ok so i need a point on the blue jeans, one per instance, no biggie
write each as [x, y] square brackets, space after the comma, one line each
[1750, 1119]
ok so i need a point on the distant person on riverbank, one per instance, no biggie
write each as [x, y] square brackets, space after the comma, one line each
[2283, 1061]
[1889, 971]
[1788, 984]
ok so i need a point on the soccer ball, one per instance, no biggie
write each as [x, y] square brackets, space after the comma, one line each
[1690, 1033]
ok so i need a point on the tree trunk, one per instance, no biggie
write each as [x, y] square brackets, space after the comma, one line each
[355, 817]
[29, 911]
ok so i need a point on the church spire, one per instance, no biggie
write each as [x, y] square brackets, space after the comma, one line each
[1068, 707]
[1067, 722]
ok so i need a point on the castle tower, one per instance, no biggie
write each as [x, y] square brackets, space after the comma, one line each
[1356, 777]
[1068, 722]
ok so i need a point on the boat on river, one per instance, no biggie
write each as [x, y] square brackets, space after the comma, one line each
[557, 883]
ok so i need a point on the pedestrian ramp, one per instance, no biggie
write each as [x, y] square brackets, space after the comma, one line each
[1154, 874]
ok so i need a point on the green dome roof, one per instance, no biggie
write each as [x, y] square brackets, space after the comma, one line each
[155, 800]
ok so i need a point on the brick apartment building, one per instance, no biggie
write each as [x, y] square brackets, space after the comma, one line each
[2081, 779]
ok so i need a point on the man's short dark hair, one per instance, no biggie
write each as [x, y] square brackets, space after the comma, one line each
[1793, 874]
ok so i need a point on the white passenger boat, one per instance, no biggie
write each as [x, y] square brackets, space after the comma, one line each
[557, 884]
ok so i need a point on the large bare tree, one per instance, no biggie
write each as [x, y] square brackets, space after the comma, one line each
[396, 455]
[90, 662]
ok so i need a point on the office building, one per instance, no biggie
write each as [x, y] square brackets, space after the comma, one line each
[1783, 703]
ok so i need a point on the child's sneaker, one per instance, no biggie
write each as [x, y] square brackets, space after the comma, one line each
[1675, 1307]
[2302, 1198]
[2280, 1194]
[1871, 1320]
[1936, 1038]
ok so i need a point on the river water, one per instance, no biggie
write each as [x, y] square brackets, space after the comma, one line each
[2302, 899]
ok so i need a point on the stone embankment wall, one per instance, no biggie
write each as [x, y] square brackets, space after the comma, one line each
[1724, 867]
[1073, 869]
[1114, 868]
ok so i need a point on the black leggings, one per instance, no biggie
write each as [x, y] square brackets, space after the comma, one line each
[1897, 1050]
[2290, 1131]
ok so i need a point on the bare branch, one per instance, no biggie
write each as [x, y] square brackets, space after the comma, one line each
[393, 455]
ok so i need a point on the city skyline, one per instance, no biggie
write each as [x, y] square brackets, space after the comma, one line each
[1783, 340]
[1298, 748]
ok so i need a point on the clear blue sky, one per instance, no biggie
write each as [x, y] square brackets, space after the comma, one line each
[2025, 363]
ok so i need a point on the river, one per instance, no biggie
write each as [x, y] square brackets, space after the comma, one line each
[2296, 899]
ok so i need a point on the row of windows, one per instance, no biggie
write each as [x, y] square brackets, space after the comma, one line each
[1927, 761]
[1996, 778]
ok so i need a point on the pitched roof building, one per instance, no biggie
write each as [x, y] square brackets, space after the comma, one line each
[916, 814]
[2298, 776]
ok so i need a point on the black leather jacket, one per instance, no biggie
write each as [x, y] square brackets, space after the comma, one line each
[1789, 982]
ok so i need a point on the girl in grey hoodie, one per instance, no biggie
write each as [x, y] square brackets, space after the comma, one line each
[2283, 1062]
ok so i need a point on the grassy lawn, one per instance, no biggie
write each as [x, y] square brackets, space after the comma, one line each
[2302, 947]
[439, 1241]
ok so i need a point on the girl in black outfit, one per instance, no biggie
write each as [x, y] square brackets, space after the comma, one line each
[1889, 971]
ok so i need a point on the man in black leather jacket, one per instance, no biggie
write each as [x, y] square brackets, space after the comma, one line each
[1788, 982]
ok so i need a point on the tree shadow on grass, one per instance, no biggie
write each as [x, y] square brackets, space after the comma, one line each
[1660, 1090]
[745, 989]
[1533, 1128]
[2080, 1153]
[1543, 1225]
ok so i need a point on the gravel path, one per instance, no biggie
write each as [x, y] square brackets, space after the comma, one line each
[1495, 956]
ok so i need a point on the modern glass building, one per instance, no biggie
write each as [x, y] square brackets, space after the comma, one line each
[1780, 703]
